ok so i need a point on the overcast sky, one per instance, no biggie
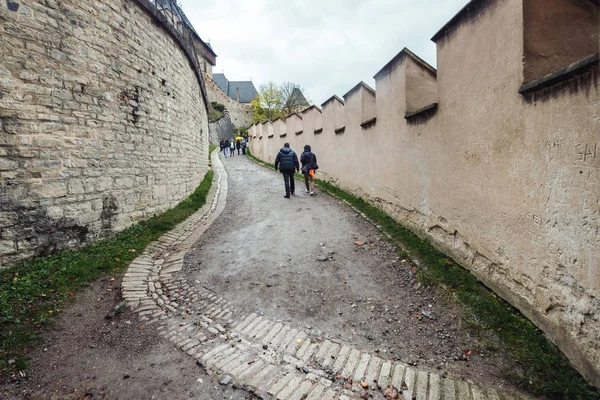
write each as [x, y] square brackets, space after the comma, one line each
[325, 46]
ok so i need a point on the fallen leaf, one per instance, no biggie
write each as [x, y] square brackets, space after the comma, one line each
[364, 384]
[299, 341]
[359, 243]
[468, 352]
[132, 250]
[403, 261]
[112, 279]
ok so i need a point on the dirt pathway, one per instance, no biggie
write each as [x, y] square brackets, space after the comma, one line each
[297, 261]
[273, 295]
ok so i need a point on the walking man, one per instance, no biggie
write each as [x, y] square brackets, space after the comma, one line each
[287, 162]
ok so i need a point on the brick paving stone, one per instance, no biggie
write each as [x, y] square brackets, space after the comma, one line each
[293, 346]
[232, 363]
[450, 390]
[323, 350]
[463, 390]
[372, 374]
[317, 392]
[192, 343]
[341, 359]
[329, 360]
[384, 378]
[361, 369]
[422, 381]
[213, 330]
[477, 393]
[279, 337]
[260, 376]
[252, 325]
[280, 383]
[271, 378]
[398, 376]
[259, 327]
[309, 353]
[287, 339]
[302, 350]
[302, 392]
[434, 387]
[351, 363]
[409, 379]
[215, 351]
[289, 389]
[328, 395]
[252, 370]
[243, 366]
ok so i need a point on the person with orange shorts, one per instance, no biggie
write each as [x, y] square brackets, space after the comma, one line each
[309, 166]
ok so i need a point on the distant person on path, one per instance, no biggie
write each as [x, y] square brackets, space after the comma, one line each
[232, 148]
[244, 144]
[309, 166]
[238, 145]
[287, 162]
[224, 145]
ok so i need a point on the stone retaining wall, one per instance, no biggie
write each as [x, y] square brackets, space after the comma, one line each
[102, 122]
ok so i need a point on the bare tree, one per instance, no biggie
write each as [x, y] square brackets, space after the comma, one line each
[293, 99]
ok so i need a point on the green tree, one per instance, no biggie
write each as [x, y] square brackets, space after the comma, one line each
[275, 101]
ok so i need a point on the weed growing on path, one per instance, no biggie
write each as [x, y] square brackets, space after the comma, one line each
[547, 372]
[33, 293]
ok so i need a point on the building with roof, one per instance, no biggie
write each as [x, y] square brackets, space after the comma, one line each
[241, 91]
[207, 58]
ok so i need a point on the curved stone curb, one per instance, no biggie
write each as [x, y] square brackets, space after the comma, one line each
[272, 359]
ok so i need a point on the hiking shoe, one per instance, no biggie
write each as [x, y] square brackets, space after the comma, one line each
[311, 193]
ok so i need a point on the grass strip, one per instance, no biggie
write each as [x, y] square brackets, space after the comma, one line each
[32, 293]
[546, 370]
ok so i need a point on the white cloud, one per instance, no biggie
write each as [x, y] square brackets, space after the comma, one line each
[326, 46]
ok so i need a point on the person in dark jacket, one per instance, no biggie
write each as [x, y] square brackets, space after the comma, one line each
[309, 166]
[287, 161]
[238, 146]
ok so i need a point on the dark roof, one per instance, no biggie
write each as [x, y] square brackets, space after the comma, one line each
[221, 81]
[247, 91]
[299, 98]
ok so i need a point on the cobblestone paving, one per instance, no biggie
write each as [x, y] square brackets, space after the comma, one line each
[262, 355]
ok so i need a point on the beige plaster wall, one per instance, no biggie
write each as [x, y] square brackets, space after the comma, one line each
[558, 33]
[97, 130]
[421, 86]
[508, 185]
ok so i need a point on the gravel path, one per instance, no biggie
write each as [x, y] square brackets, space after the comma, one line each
[296, 260]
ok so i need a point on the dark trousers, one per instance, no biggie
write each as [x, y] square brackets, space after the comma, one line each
[288, 180]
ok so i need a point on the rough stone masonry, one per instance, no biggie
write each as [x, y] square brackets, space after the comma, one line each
[102, 122]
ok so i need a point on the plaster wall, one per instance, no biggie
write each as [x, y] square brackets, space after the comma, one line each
[102, 123]
[558, 33]
[506, 184]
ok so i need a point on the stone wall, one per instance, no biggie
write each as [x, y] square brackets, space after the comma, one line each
[240, 114]
[102, 122]
[499, 168]
[222, 128]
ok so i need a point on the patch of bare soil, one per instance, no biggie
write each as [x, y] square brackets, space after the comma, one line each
[86, 356]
